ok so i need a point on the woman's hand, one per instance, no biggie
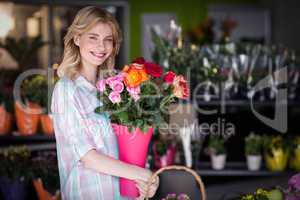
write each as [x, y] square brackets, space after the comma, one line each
[142, 186]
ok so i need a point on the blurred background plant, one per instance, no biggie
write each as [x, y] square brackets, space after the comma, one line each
[176, 197]
[212, 61]
[253, 144]
[15, 162]
[24, 50]
[36, 89]
[216, 145]
[44, 166]
[294, 161]
[276, 152]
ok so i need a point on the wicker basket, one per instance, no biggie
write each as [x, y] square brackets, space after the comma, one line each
[176, 167]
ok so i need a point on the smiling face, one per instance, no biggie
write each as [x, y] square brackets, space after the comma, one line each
[95, 45]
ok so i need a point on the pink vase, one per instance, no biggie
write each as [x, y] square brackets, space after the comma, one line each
[133, 148]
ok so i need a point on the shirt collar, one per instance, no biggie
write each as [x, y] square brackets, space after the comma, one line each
[82, 81]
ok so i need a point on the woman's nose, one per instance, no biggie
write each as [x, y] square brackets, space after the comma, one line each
[101, 45]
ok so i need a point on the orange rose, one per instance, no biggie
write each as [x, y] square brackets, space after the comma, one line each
[135, 75]
[180, 89]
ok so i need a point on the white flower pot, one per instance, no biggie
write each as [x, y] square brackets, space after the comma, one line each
[254, 162]
[218, 161]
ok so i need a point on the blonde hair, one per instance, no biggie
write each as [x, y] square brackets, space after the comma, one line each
[85, 19]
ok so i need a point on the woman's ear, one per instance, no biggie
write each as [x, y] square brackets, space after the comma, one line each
[76, 40]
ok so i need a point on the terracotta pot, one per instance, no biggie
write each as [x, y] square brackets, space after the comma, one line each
[5, 121]
[47, 125]
[42, 193]
[27, 121]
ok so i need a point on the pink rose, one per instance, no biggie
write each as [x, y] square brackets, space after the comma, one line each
[181, 89]
[101, 85]
[119, 77]
[114, 97]
[117, 86]
[134, 90]
[135, 97]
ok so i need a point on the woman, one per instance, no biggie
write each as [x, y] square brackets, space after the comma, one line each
[86, 145]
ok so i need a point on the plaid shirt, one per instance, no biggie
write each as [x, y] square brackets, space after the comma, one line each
[79, 129]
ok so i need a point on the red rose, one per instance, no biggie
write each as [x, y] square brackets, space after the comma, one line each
[169, 77]
[153, 69]
[139, 60]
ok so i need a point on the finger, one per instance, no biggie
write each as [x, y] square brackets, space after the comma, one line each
[152, 191]
[142, 184]
[141, 189]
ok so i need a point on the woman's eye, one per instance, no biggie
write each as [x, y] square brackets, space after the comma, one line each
[109, 40]
[93, 38]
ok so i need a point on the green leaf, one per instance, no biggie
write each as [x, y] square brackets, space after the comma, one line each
[130, 128]
[100, 109]
[123, 117]
[144, 128]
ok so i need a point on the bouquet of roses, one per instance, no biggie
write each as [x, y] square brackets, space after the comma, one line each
[140, 94]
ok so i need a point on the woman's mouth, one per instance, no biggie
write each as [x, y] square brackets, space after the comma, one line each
[98, 55]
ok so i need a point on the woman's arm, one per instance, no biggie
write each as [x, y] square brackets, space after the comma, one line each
[105, 164]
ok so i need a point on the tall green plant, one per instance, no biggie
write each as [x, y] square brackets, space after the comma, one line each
[24, 50]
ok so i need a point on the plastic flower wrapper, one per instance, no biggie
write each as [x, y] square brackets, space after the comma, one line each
[173, 52]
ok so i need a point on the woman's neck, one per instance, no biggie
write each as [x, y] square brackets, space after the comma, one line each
[89, 72]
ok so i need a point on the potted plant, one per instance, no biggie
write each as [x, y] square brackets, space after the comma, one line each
[28, 110]
[164, 153]
[35, 91]
[293, 190]
[294, 161]
[14, 173]
[263, 194]
[276, 152]
[217, 151]
[6, 115]
[45, 176]
[137, 100]
[253, 148]
[44, 97]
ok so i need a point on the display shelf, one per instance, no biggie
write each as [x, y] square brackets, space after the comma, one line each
[31, 138]
[233, 169]
[201, 102]
[16, 139]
